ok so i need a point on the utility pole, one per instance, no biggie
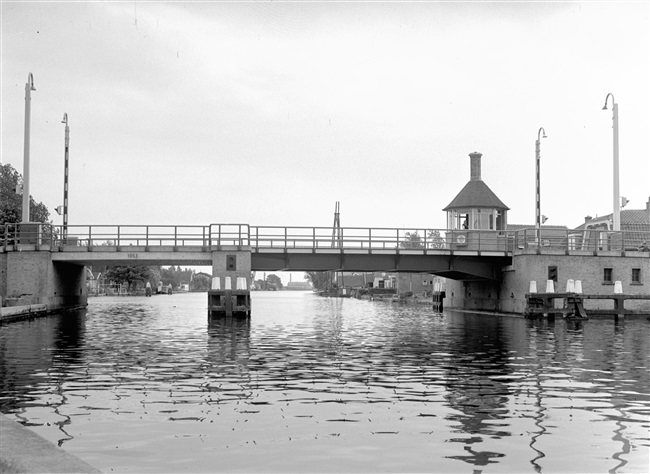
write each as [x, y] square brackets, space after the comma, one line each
[538, 208]
[29, 87]
[616, 198]
[65, 177]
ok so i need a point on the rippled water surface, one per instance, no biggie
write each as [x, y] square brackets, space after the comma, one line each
[316, 384]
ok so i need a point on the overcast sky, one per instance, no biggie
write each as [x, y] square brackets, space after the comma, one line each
[268, 113]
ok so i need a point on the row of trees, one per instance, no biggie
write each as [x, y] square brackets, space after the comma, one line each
[413, 240]
[272, 282]
[135, 276]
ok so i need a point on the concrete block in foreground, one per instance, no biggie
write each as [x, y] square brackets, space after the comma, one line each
[22, 450]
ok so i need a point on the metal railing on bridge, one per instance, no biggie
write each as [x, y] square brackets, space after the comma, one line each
[125, 235]
[374, 239]
[261, 238]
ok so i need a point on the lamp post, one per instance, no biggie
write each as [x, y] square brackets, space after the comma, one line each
[65, 177]
[617, 208]
[29, 87]
[538, 212]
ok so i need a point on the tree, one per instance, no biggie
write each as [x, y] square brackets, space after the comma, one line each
[319, 280]
[435, 240]
[174, 276]
[11, 203]
[274, 281]
[412, 240]
[128, 274]
[154, 276]
[200, 282]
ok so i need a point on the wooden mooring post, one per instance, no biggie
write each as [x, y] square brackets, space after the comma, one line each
[543, 304]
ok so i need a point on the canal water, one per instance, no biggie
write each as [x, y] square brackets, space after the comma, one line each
[316, 384]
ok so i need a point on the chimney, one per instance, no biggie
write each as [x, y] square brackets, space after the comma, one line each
[588, 218]
[647, 205]
[475, 166]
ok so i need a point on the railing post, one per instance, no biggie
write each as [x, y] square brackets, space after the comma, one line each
[369, 239]
[286, 243]
[622, 241]
[313, 232]
[146, 239]
[118, 236]
[516, 241]
[175, 236]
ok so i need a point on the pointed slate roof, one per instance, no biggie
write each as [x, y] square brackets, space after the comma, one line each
[476, 194]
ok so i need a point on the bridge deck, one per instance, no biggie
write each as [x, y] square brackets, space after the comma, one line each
[464, 254]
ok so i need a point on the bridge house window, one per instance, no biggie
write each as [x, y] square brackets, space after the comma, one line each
[552, 273]
[475, 219]
[607, 275]
[636, 276]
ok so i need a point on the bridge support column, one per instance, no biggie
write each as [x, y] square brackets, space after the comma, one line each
[30, 278]
[231, 282]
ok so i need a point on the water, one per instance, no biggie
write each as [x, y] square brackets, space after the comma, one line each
[329, 385]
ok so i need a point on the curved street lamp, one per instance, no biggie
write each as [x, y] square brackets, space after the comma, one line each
[538, 212]
[29, 87]
[617, 208]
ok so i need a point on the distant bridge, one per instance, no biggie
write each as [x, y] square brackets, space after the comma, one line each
[455, 254]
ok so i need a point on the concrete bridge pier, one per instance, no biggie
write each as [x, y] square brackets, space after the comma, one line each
[231, 282]
[31, 278]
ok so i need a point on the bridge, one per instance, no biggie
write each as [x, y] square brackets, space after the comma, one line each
[461, 255]
[43, 263]
[455, 254]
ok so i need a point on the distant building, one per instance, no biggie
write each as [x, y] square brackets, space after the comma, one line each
[596, 232]
[299, 286]
[417, 283]
[365, 280]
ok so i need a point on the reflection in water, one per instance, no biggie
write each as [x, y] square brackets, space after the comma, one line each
[67, 351]
[320, 384]
[229, 341]
[37, 350]
[539, 413]
[476, 370]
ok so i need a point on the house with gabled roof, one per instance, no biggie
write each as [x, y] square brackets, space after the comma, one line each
[595, 233]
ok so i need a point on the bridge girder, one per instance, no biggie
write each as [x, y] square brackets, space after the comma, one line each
[445, 264]
[449, 266]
